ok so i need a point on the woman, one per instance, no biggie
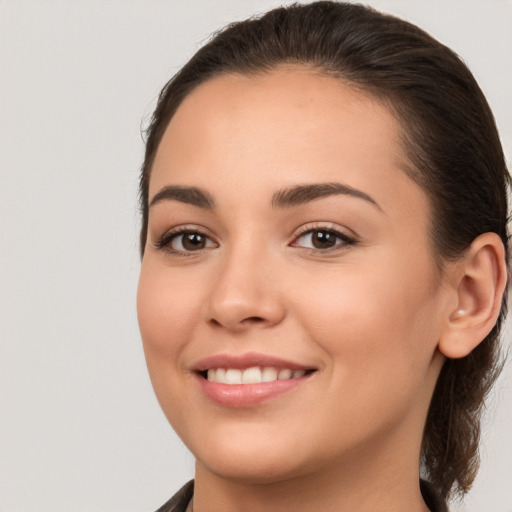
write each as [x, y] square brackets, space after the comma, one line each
[324, 265]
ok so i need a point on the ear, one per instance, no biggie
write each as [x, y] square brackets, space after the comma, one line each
[480, 278]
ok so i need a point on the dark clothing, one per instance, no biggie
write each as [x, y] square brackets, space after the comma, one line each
[179, 502]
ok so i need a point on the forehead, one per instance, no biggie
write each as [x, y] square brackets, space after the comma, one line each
[275, 129]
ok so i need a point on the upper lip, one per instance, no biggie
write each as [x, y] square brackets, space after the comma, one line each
[245, 361]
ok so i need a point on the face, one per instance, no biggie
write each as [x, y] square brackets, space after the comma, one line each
[289, 302]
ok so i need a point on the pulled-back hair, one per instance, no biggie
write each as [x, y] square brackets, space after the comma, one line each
[449, 137]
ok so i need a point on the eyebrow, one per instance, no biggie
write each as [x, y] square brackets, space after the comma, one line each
[189, 195]
[293, 196]
[302, 194]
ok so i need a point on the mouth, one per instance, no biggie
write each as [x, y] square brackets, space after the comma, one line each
[252, 375]
[250, 379]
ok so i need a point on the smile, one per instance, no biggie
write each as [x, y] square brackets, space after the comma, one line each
[253, 375]
[250, 379]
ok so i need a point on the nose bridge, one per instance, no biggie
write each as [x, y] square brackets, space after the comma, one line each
[243, 294]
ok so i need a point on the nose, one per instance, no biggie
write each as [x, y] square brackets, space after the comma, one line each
[244, 295]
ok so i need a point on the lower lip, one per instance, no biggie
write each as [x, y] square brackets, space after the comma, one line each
[247, 395]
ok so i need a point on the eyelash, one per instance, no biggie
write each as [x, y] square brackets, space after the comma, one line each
[345, 240]
[164, 242]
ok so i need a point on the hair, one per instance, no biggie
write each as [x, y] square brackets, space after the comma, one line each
[450, 140]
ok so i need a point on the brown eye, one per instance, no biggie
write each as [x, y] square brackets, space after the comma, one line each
[186, 241]
[192, 241]
[323, 239]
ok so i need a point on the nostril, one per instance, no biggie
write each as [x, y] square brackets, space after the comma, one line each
[253, 320]
[250, 321]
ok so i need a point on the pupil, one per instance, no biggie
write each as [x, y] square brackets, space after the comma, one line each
[323, 239]
[193, 241]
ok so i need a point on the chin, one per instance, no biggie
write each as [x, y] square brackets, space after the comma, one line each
[264, 470]
[250, 458]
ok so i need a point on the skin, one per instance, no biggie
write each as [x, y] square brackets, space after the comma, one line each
[367, 316]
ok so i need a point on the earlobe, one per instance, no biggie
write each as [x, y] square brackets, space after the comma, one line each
[480, 281]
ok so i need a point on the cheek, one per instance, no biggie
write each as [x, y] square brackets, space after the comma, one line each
[372, 319]
[164, 303]
[167, 311]
[379, 339]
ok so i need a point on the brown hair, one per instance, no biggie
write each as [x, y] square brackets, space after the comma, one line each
[450, 139]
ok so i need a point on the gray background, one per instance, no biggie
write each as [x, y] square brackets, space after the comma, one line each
[79, 427]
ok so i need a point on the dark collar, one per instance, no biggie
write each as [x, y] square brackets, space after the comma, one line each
[179, 502]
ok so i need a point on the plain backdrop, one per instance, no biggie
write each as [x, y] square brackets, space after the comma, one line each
[80, 428]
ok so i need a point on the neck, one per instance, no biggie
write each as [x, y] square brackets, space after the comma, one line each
[364, 483]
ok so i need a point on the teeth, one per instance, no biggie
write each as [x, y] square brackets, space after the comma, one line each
[268, 374]
[253, 375]
[233, 376]
[285, 374]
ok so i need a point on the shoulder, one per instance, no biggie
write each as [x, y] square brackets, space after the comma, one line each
[179, 502]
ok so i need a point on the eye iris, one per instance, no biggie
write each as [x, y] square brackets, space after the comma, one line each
[323, 239]
[193, 241]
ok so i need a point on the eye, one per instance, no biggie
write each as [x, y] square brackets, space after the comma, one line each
[322, 239]
[184, 241]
